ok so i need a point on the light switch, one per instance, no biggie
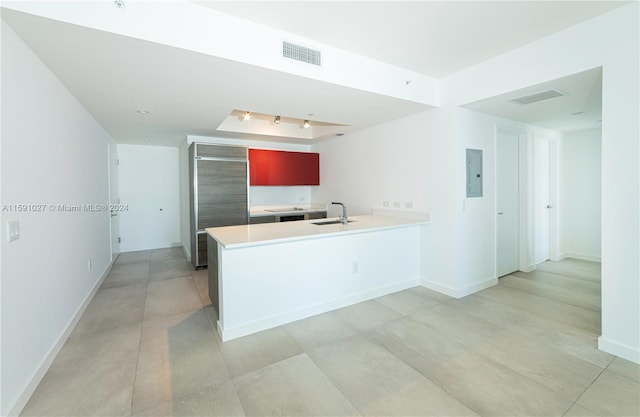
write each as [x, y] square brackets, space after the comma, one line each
[13, 230]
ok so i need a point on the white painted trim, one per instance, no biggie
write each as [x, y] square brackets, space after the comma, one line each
[463, 292]
[443, 289]
[136, 248]
[291, 316]
[44, 366]
[459, 292]
[582, 256]
[187, 251]
[618, 349]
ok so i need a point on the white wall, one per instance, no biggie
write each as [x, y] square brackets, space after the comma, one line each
[421, 160]
[476, 252]
[409, 160]
[611, 41]
[185, 207]
[580, 184]
[275, 195]
[53, 152]
[149, 185]
[383, 163]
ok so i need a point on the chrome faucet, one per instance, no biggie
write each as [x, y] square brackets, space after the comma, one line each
[344, 219]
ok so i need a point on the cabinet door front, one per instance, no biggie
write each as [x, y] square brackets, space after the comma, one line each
[222, 193]
[310, 171]
[270, 167]
[259, 166]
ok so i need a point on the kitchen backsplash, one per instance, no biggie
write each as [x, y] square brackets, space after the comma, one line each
[265, 196]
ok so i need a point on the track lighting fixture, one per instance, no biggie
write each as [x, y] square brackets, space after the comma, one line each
[247, 115]
[276, 120]
[306, 124]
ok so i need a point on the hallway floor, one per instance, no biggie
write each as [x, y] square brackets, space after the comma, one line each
[147, 346]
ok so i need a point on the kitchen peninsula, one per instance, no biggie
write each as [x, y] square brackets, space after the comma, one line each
[266, 275]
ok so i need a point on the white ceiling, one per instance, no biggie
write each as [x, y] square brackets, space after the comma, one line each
[188, 93]
[436, 38]
[580, 108]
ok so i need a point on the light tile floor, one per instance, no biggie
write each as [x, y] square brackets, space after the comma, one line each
[147, 346]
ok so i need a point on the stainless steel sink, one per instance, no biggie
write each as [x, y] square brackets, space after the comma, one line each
[325, 222]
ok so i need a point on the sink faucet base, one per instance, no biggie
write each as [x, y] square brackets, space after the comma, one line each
[344, 219]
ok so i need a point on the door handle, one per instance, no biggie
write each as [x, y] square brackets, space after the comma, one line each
[548, 206]
[500, 213]
[113, 214]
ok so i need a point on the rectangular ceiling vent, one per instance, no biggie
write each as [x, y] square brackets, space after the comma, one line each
[300, 53]
[533, 98]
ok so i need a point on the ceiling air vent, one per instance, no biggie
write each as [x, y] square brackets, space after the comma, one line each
[545, 95]
[300, 53]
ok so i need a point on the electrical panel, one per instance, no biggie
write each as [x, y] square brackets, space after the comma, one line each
[474, 173]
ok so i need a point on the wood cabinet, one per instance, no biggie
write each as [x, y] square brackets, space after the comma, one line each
[262, 219]
[317, 215]
[218, 192]
[268, 167]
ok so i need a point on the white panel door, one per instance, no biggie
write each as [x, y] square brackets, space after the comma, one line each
[114, 198]
[541, 201]
[507, 216]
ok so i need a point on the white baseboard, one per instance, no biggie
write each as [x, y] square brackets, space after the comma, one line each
[227, 334]
[443, 289]
[618, 349]
[187, 251]
[44, 366]
[459, 292]
[149, 246]
[581, 256]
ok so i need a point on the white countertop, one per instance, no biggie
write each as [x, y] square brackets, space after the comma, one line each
[232, 237]
[257, 211]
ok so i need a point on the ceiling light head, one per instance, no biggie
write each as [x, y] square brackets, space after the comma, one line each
[247, 115]
[306, 124]
[142, 111]
[276, 120]
[119, 4]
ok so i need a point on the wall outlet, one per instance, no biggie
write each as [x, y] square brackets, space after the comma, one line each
[354, 268]
[385, 204]
[396, 204]
[408, 204]
[13, 230]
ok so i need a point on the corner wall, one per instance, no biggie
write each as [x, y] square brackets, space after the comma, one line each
[53, 152]
[610, 41]
[580, 183]
[406, 162]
